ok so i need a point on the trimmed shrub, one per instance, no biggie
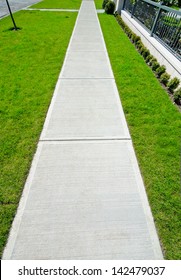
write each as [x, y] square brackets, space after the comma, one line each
[145, 53]
[129, 34]
[137, 39]
[160, 70]
[139, 45]
[173, 84]
[127, 30]
[116, 14]
[148, 58]
[104, 3]
[142, 50]
[164, 78]
[155, 65]
[119, 20]
[177, 96]
[152, 61]
[110, 8]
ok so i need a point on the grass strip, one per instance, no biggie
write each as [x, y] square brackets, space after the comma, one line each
[30, 61]
[58, 4]
[98, 4]
[155, 125]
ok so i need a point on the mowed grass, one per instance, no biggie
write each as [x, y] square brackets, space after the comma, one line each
[58, 4]
[30, 61]
[98, 4]
[155, 127]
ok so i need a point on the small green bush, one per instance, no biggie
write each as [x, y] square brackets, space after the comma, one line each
[116, 14]
[173, 84]
[177, 96]
[137, 39]
[152, 61]
[160, 70]
[110, 7]
[119, 20]
[139, 45]
[155, 66]
[133, 36]
[148, 58]
[128, 31]
[164, 78]
[104, 3]
[142, 50]
[145, 53]
[129, 34]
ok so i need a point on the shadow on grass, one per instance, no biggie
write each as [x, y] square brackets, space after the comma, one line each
[13, 29]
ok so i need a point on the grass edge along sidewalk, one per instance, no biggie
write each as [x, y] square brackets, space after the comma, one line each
[58, 4]
[30, 62]
[155, 125]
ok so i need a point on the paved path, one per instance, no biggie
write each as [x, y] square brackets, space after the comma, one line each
[15, 5]
[84, 197]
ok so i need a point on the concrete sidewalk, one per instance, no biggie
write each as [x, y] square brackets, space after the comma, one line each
[84, 197]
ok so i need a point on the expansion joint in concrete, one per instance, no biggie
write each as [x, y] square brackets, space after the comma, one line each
[87, 78]
[83, 140]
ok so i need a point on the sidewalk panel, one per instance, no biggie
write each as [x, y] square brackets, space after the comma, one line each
[85, 109]
[86, 65]
[85, 202]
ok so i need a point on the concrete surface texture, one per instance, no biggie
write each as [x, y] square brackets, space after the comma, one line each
[15, 5]
[84, 197]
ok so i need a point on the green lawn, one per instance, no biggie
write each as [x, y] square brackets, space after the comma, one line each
[59, 4]
[155, 126]
[98, 4]
[30, 61]
[174, 7]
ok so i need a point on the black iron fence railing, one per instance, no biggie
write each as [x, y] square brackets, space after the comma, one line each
[160, 21]
[128, 6]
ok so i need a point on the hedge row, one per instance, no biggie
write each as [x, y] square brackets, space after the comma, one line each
[159, 70]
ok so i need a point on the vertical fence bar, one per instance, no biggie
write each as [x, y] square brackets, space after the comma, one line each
[155, 21]
[134, 8]
[163, 30]
[122, 4]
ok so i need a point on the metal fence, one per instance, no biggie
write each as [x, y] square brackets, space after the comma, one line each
[160, 21]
